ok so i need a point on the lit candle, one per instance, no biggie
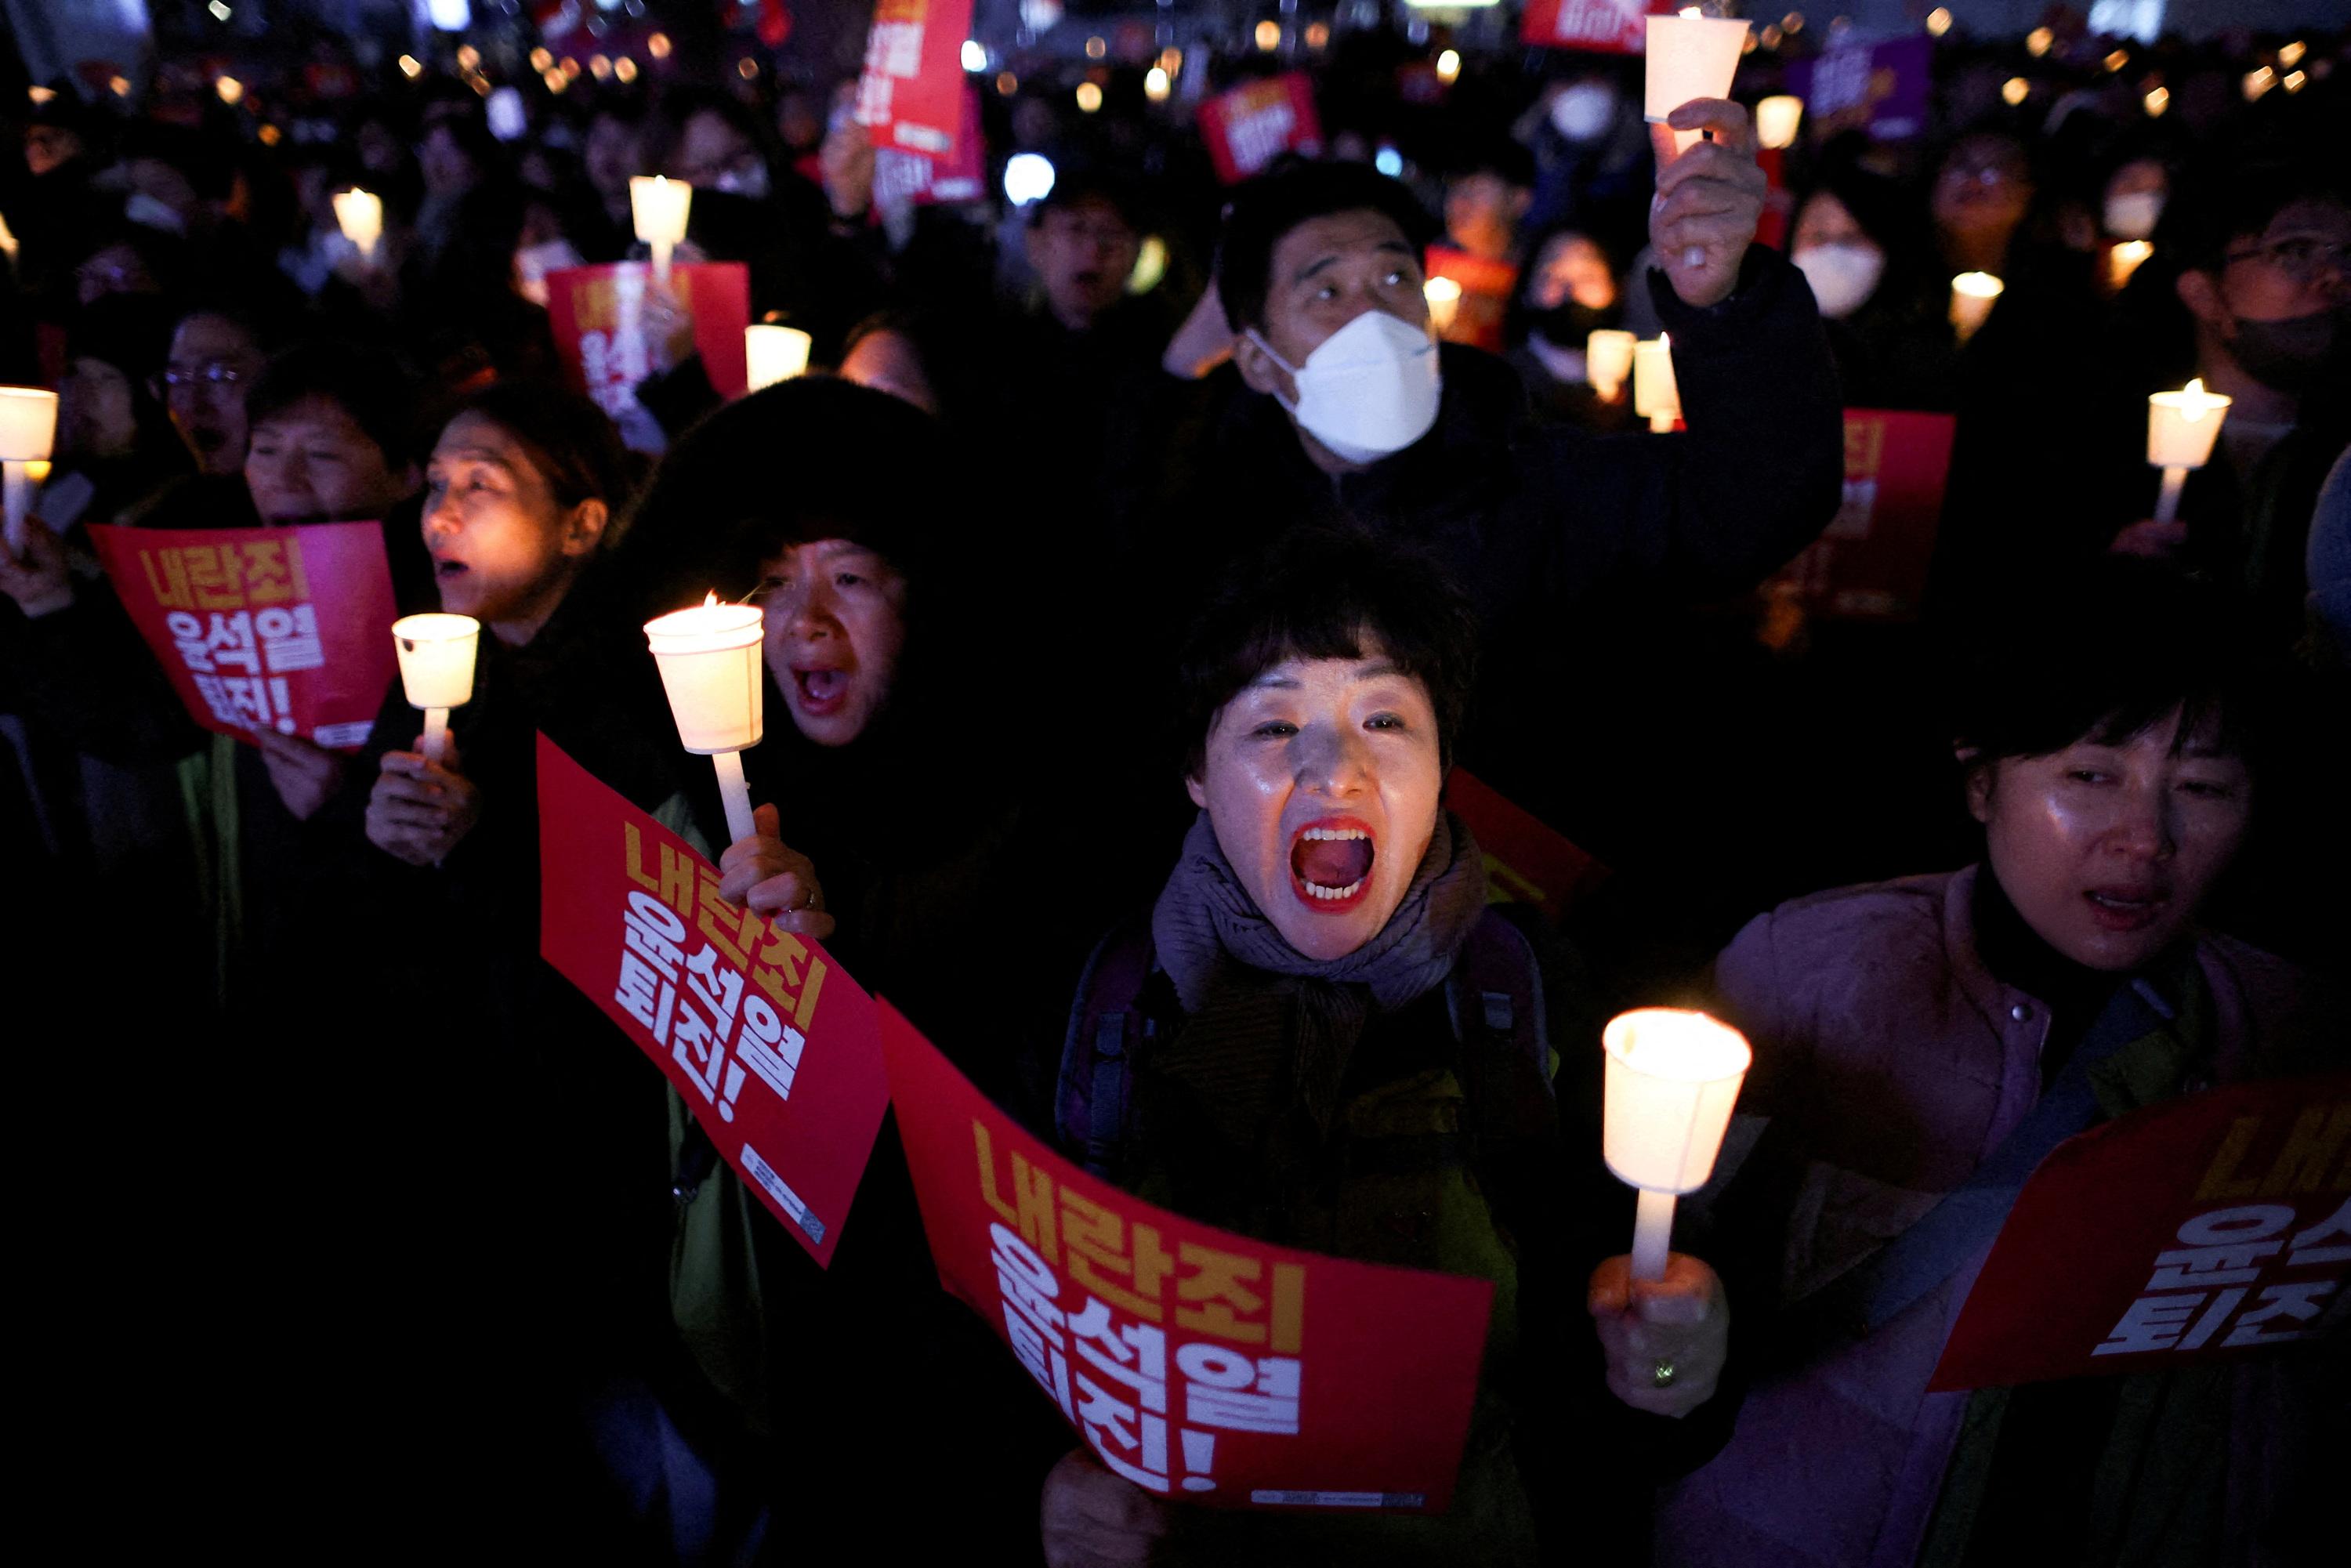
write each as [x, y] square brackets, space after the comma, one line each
[1691, 56]
[1671, 1080]
[436, 670]
[709, 660]
[1608, 360]
[2181, 428]
[7, 242]
[28, 428]
[659, 206]
[1444, 297]
[1776, 119]
[1972, 294]
[775, 353]
[360, 214]
[2126, 258]
[1655, 396]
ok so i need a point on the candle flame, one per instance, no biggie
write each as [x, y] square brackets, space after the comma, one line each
[1692, 12]
[2194, 389]
[710, 600]
[1666, 339]
[2195, 402]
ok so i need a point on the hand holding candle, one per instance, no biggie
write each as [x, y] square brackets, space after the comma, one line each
[1711, 191]
[1672, 1079]
[710, 666]
[436, 670]
[2181, 428]
[28, 429]
[660, 208]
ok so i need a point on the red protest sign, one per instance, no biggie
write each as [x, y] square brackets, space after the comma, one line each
[1871, 564]
[1196, 1363]
[768, 1041]
[284, 629]
[1598, 26]
[1527, 861]
[2211, 1226]
[958, 176]
[1257, 122]
[911, 97]
[598, 317]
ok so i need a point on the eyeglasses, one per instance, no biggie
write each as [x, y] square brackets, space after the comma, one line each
[211, 375]
[2302, 257]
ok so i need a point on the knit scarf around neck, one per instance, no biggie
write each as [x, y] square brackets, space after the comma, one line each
[1269, 1030]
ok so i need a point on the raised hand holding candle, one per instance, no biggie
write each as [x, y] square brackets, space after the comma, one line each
[1656, 395]
[775, 353]
[1972, 294]
[28, 429]
[1608, 361]
[360, 214]
[436, 670]
[2181, 428]
[659, 207]
[709, 661]
[1690, 55]
[1672, 1077]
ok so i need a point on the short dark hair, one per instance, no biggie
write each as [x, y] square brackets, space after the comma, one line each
[2222, 203]
[1090, 185]
[1328, 594]
[1267, 208]
[367, 384]
[569, 440]
[2104, 653]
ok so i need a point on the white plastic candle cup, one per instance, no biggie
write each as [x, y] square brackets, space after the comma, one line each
[775, 353]
[360, 214]
[709, 660]
[660, 206]
[1690, 57]
[1444, 297]
[1777, 119]
[28, 423]
[1656, 397]
[436, 658]
[1972, 294]
[2182, 425]
[1672, 1077]
[1608, 361]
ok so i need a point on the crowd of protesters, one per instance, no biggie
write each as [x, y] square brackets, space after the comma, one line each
[1152, 523]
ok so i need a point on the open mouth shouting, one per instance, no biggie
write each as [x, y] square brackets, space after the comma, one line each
[2126, 909]
[819, 691]
[1330, 864]
[448, 569]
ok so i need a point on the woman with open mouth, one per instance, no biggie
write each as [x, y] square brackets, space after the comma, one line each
[1314, 1066]
[1911, 1037]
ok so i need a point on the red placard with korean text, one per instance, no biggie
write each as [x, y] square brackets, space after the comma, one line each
[1199, 1364]
[1257, 122]
[911, 96]
[2213, 1226]
[1526, 860]
[769, 1043]
[597, 314]
[1871, 564]
[960, 175]
[1596, 26]
[282, 628]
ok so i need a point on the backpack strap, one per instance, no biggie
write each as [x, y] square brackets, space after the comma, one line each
[1113, 1014]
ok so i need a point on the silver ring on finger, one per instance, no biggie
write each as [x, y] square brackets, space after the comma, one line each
[1662, 1374]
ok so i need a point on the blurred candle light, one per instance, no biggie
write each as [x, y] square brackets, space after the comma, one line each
[2015, 90]
[2037, 42]
[2293, 82]
[1444, 297]
[975, 56]
[1155, 85]
[710, 666]
[1449, 67]
[2125, 259]
[1938, 22]
[775, 353]
[1268, 36]
[660, 206]
[360, 214]
[1090, 97]
[230, 91]
[436, 670]
[2291, 54]
[1657, 397]
[2156, 101]
[28, 429]
[1972, 294]
[1608, 361]
[1672, 1077]
[7, 242]
[2258, 82]
[1777, 119]
[1690, 55]
[2181, 428]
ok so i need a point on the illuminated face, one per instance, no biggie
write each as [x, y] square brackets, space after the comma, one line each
[1326, 272]
[1083, 254]
[836, 623]
[96, 413]
[1482, 212]
[2297, 266]
[1571, 267]
[887, 362]
[1320, 779]
[1825, 220]
[2107, 851]
[312, 463]
[504, 549]
[1983, 188]
[213, 364]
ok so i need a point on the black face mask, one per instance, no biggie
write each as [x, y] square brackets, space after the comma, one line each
[2299, 354]
[1568, 324]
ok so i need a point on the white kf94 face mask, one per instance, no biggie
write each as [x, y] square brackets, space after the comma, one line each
[1371, 388]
